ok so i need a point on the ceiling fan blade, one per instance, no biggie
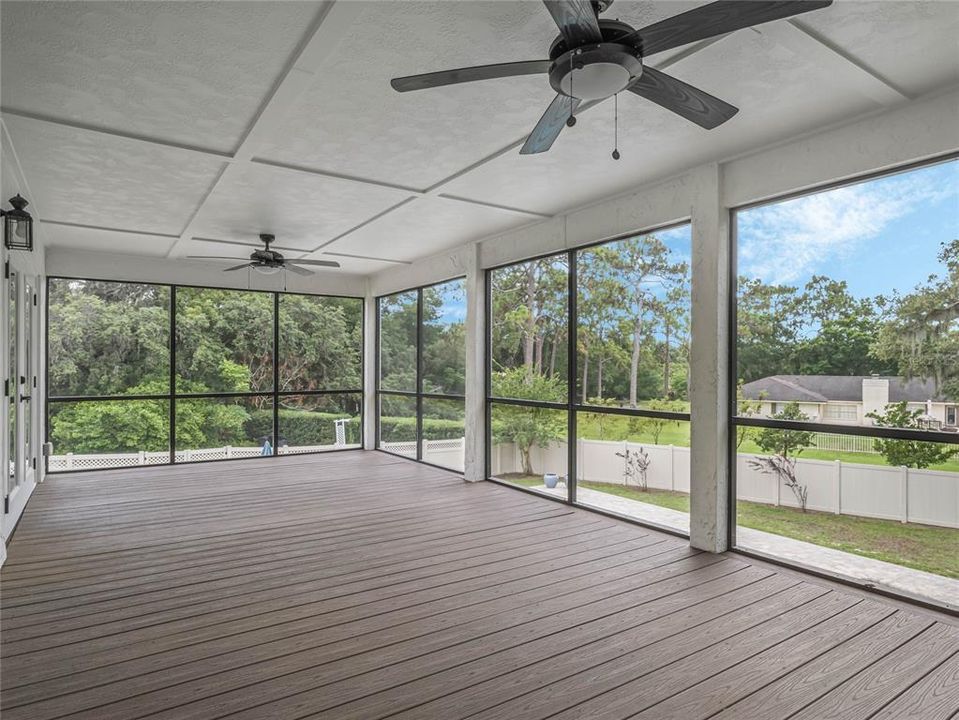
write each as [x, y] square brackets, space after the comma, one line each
[239, 267]
[469, 74]
[675, 95]
[576, 20]
[717, 18]
[550, 125]
[211, 257]
[298, 270]
[321, 263]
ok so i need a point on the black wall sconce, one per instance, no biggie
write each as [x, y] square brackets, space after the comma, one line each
[17, 225]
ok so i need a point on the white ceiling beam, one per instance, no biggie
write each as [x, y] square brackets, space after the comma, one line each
[303, 169]
[370, 257]
[102, 228]
[93, 129]
[842, 69]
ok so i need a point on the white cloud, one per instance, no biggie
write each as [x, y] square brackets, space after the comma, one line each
[788, 241]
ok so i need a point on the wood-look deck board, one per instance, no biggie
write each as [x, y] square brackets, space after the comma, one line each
[247, 564]
[360, 585]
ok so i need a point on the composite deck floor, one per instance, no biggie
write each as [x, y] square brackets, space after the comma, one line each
[361, 585]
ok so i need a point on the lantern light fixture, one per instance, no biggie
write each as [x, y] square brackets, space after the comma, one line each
[17, 225]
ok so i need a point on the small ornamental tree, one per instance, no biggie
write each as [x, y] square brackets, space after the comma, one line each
[527, 427]
[783, 468]
[786, 442]
[908, 453]
[635, 467]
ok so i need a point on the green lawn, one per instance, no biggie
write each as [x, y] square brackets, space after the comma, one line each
[922, 547]
[592, 426]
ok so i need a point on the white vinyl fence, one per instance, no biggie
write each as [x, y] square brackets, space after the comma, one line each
[930, 497]
[70, 461]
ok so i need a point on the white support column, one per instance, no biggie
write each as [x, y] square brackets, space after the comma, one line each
[369, 371]
[475, 451]
[709, 384]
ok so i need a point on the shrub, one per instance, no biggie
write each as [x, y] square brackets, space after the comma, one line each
[303, 427]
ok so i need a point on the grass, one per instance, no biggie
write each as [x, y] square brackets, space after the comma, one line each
[593, 426]
[922, 547]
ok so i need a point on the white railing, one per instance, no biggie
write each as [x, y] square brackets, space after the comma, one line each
[449, 453]
[72, 461]
[845, 443]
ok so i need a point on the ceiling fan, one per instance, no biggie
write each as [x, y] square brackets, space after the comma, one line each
[268, 261]
[593, 59]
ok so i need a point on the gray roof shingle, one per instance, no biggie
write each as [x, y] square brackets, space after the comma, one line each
[841, 388]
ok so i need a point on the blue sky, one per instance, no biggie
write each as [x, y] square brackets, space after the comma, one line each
[453, 295]
[878, 235]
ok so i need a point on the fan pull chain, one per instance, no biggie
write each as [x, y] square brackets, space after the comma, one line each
[616, 126]
[571, 120]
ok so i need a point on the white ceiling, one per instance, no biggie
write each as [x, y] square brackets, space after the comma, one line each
[167, 129]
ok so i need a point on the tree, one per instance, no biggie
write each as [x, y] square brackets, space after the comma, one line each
[654, 426]
[527, 427]
[646, 271]
[746, 408]
[598, 293]
[768, 325]
[908, 453]
[398, 341]
[786, 442]
[529, 304]
[921, 334]
[838, 331]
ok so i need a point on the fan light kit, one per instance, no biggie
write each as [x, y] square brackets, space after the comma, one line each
[593, 59]
[269, 262]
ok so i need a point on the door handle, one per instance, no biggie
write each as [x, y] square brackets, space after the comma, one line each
[24, 398]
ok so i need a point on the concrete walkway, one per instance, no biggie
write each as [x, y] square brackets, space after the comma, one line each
[862, 570]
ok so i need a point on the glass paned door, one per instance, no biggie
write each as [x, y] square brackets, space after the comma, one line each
[27, 379]
[21, 378]
[12, 386]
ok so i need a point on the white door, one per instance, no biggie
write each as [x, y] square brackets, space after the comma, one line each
[20, 386]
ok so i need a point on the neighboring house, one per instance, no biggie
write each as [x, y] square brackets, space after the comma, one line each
[850, 398]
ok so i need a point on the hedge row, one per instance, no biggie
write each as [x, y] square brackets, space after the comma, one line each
[302, 427]
[400, 429]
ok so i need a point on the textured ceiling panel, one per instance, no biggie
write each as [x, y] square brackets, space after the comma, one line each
[80, 238]
[191, 73]
[302, 210]
[424, 227]
[352, 121]
[96, 179]
[915, 45]
[197, 73]
[778, 93]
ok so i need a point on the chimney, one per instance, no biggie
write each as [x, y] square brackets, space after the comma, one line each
[875, 396]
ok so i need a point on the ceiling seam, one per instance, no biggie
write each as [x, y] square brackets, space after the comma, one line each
[109, 132]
